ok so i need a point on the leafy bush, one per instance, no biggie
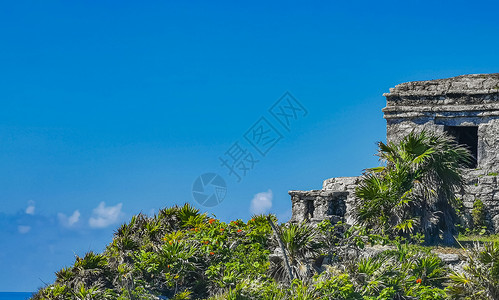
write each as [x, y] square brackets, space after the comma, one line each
[480, 279]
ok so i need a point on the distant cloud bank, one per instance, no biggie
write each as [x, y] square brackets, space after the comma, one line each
[103, 216]
[26, 221]
[261, 202]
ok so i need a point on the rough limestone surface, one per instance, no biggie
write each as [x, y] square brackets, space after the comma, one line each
[483, 187]
[317, 205]
[467, 101]
[495, 222]
[346, 185]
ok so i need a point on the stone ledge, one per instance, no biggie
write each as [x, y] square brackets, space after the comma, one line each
[473, 84]
[443, 108]
[315, 193]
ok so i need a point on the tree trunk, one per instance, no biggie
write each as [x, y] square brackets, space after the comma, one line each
[283, 248]
[449, 229]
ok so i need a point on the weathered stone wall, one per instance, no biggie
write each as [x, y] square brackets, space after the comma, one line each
[482, 186]
[317, 205]
[347, 185]
[488, 145]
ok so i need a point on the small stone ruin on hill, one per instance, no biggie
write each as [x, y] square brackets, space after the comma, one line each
[466, 107]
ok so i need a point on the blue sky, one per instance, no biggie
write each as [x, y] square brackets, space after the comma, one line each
[111, 108]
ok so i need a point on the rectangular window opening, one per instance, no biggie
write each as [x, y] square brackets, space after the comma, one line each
[468, 136]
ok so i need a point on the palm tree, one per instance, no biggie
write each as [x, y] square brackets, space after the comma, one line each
[415, 190]
[300, 246]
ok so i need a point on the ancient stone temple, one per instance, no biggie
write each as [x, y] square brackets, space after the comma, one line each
[466, 107]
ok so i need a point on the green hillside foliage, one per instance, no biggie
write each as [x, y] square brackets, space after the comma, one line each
[183, 254]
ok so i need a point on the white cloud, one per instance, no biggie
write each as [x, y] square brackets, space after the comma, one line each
[30, 210]
[69, 221]
[23, 229]
[103, 216]
[261, 202]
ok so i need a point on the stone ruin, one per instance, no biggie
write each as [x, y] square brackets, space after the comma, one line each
[466, 107]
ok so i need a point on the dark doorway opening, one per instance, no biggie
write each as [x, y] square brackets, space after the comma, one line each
[468, 136]
[309, 214]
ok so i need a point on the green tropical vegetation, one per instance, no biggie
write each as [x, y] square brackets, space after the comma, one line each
[181, 253]
[415, 191]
